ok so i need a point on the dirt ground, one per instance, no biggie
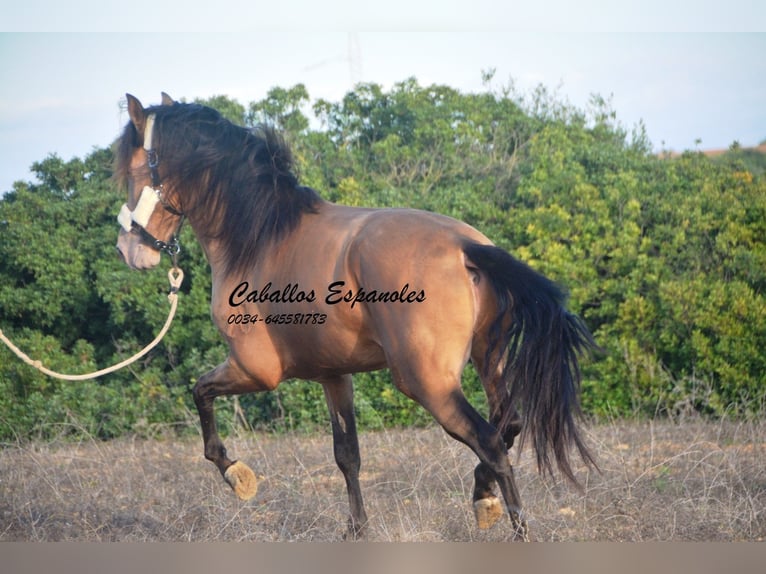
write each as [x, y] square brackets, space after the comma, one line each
[699, 481]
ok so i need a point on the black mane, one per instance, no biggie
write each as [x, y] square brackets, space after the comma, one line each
[237, 185]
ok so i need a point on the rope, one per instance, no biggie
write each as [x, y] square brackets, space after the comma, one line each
[175, 276]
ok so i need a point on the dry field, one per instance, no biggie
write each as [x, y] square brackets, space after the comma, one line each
[659, 481]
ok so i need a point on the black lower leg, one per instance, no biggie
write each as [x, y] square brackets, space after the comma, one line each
[214, 449]
[339, 395]
[484, 480]
[465, 424]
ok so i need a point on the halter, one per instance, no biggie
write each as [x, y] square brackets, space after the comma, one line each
[138, 219]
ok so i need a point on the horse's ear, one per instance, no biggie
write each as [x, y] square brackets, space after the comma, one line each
[136, 113]
[167, 100]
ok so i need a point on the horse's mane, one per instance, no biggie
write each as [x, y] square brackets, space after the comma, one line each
[236, 184]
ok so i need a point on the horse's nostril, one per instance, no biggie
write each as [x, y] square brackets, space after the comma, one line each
[120, 254]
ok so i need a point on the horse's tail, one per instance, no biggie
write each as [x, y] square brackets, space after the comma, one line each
[543, 341]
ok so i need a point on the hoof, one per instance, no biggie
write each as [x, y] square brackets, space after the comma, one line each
[242, 480]
[487, 511]
[520, 526]
[355, 531]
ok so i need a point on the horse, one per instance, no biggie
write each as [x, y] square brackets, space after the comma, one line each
[308, 289]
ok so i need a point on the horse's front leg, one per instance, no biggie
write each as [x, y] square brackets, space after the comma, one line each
[339, 393]
[226, 379]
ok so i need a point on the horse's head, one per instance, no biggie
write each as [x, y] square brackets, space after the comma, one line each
[151, 217]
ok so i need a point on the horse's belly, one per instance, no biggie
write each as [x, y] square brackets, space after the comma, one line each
[332, 353]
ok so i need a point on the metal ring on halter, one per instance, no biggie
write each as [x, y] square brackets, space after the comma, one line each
[172, 247]
[153, 160]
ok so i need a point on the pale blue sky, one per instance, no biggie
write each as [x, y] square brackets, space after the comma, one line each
[659, 62]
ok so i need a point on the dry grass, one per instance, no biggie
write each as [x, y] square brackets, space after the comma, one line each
[659, 481]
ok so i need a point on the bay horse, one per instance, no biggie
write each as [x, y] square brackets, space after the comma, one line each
[304, 288]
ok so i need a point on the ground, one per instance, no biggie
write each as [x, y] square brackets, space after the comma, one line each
[659, 481]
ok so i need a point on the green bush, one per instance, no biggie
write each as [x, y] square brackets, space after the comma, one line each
[663, 257]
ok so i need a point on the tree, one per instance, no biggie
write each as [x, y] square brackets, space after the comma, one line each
[664, 258]
[230, 109]
[281, 108]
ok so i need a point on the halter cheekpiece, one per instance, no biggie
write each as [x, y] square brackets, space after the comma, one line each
[138, 218]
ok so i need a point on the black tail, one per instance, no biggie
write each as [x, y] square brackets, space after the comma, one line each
[541, 369]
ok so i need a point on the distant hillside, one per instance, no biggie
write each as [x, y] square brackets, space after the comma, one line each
[752, 159]
[719, 152]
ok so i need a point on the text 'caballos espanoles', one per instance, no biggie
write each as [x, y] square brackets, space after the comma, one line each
[336, 293]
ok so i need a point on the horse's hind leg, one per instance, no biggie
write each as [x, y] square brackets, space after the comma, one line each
[339, 393]
[462, 422]
[487, 507]
[224, 380]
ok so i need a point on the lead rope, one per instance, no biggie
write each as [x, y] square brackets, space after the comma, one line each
[175, 276]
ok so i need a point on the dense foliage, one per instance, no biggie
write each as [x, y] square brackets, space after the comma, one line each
[665, 258]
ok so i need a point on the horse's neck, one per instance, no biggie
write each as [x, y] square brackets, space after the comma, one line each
[212, 250]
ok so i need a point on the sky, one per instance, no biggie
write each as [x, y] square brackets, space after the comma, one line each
[693, 72]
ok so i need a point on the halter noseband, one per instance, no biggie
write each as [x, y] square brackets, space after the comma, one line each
[138, 219]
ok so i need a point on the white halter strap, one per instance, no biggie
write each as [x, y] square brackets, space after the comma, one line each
[143, 211]
[148, 132]
[149, 196]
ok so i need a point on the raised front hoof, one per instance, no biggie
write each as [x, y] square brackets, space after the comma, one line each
[242, 480]
[487, 512]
